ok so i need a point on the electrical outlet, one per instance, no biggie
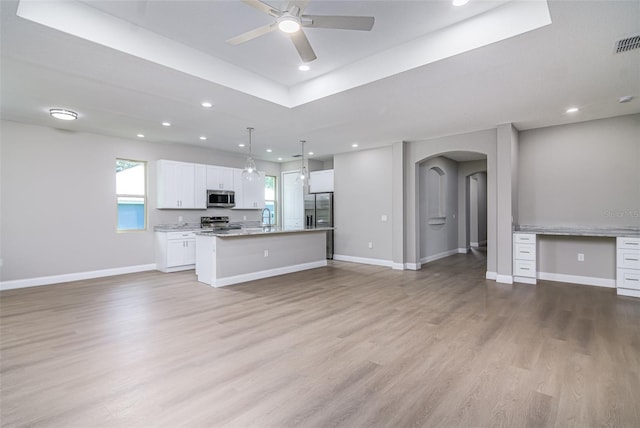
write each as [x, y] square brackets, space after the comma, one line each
[266, 253]
[383, 218]
[244, 217]
[580, 257]
[370, 244]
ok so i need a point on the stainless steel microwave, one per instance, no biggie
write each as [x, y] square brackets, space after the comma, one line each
[221, 199]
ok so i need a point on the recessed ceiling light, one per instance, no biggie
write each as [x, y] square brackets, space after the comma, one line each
[310, 153]
[279, 158]
[269, 150]
[206, 104]
[572, 109]
[140, 135]
[62, 114]
[354, 145]
[203, 138]
[166, 124]
[304, 67]
[460, 2]
[241, 145]
[625, 99]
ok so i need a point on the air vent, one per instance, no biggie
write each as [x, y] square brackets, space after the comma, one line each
[628, 44]
[296, 156]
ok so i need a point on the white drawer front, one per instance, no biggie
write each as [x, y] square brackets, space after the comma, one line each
[524, 251]
[525, 238]
[628, 278]
[628, 259]
[629, 243]
[181, 235]
[525, 268]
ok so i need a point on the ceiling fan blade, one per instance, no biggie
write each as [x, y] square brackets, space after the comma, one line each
[263, 7]
[249, 35]
[362, 23]
[303, 46]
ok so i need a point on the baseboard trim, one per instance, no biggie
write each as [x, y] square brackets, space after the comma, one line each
[491, 275]
[439, 256]
[504, 279]
[230, 280]
[576, 279]
[363, 260]
[413, 266]
[398, 266]
[68, 277]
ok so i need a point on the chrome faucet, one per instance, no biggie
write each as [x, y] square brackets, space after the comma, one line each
[268, 214]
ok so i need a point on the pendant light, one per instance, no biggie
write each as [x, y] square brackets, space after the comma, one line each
[250, 172]
[303, 176]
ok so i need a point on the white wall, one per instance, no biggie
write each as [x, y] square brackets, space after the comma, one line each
[438, 240]
[58, 212]
[363, 183]
[583, 174]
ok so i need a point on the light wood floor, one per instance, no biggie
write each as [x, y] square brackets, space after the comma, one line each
[348, 345]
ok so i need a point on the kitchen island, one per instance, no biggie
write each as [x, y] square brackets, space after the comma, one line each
[235, 256]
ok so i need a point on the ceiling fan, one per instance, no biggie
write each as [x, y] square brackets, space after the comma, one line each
[291, 20]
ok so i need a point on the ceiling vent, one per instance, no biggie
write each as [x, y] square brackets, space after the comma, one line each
[628, 44]
[296, 156]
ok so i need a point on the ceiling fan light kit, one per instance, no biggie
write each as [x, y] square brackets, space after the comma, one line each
[63, 114]
[292, 20]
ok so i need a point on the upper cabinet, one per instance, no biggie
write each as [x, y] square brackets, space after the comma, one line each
[181, 185]
[321, 181]
[249, 194]
[219, 178]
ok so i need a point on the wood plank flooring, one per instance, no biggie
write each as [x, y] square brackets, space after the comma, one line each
[346, 346]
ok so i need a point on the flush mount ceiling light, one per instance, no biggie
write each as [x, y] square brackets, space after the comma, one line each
[288, 23]
[62, 114]
[250, 172]
[572, 109]
[303, 176]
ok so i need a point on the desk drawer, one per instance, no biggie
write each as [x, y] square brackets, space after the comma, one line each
[524, 238]
[629, 259]
[526, 268]
[628, 243]
[628, 278]
[524, 251]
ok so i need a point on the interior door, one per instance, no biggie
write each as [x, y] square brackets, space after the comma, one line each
[292, 201]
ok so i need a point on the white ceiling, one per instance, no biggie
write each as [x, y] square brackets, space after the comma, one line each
[398, 82]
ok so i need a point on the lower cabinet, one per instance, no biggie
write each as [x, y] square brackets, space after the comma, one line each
[175, 251]
[524, 258]
[628, 266]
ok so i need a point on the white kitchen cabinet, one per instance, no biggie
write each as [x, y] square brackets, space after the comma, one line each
[178, 183]
[321, 181]
[219, 178]
[524, 258]
[175, 251]
[249, 194]
[628, 266]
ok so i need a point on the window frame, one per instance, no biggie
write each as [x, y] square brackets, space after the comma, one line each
[275, 195]
[144, 197]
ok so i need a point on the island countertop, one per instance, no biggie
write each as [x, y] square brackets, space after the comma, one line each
[613, 231]
[264, 230]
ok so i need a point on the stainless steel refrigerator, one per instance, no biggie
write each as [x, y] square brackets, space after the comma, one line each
[318, 211]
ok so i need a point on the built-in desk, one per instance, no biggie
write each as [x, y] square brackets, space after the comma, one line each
[627, 256]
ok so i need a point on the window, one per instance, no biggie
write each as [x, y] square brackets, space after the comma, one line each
[131, 194]
[270, 196]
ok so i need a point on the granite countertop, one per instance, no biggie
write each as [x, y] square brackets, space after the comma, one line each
[612, 231]
[177, 227]
[265, 230]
